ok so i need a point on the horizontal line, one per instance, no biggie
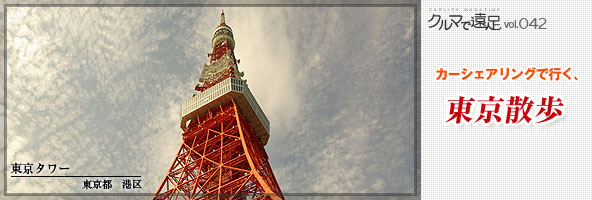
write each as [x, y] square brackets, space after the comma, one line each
[152, 194]
[75, 176]
[210, 5]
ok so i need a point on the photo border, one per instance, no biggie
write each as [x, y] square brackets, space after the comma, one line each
[417, 89]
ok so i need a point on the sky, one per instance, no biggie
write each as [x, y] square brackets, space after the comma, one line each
[99, 90]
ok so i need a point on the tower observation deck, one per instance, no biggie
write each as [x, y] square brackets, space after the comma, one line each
[224, 131]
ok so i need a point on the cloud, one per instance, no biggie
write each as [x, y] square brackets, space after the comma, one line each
[86, 89]
[99, 90]
[331, 104]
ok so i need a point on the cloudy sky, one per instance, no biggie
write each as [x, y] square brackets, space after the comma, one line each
[99, 89]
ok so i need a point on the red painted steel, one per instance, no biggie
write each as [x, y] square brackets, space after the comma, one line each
[220, 158]
[217, 52]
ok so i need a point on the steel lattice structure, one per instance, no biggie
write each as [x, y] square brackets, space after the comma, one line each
[222, 155]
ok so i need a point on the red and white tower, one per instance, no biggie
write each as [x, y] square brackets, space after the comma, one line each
[222, 155]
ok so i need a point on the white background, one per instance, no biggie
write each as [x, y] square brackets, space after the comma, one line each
[476, 161]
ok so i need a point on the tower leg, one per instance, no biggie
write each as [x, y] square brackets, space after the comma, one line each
[220, 158]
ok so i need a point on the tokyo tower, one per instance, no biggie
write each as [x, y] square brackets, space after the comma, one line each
[222, 155]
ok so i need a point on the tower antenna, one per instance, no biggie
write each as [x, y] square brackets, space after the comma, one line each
[224, 131]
